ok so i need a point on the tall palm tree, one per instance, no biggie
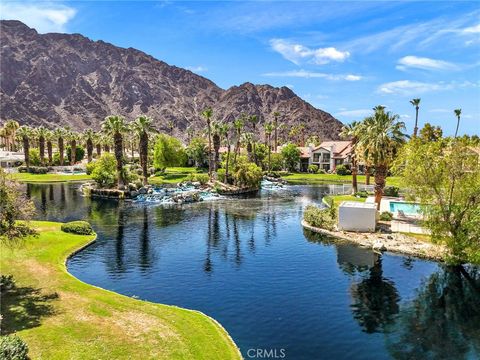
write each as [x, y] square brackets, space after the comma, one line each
[106, 142]
[49, 140]
[351, 131]
[89, 136]
[216, 139]
[269, 127]
[60, 134]
[26, 133]
[253, 119]
[238, 125]
[115, 127]
[225, 131]
[41, 134]
[97, 141]
[11, 127]
[73, 137]
[248, 139]
[207, 114]
[381, 137]
[276, 115]
[416, 103]
[143, 127]
[457, 113]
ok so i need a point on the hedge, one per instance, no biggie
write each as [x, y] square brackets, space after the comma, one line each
[77, 227]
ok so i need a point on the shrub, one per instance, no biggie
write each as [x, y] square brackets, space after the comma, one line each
[386, 216]
[361, 194]
[321, 171]
[77, 227]
[34, 157]
[33, 169]
[312, 169]
[391, 191]
[90, 167]
[13, 348]
[221, 175]
[276, 162]
[342, 170]
[201, 178]
[104, 171]
[7, 282]
[168, 151]
[246, 174]
[321, 218]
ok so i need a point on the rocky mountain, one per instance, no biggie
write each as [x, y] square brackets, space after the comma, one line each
[68, 79]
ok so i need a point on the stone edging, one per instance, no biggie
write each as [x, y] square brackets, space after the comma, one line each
[395, 242]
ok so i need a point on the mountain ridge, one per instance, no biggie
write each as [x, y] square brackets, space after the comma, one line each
[68, 79]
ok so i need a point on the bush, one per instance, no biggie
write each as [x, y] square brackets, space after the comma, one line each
[77, 227]
[342, 170]
[276, 162]
[201, 178]
[321, 218]
[312, 169]
[321, 171]
[105, 170]
[34, 157]
[246, 174]
[391, 191]
[13, 348]
[221, 175]
[361, 194]
[90, 167]
[7, 282]
[386, 216]
[33, 169]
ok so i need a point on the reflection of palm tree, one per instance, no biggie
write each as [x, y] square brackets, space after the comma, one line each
[443, 319]
[119, 248]
[236, 236]
[144, 242]
[375, 301]
[207, 267]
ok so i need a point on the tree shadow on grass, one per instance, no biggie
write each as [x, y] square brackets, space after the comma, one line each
[24, 307]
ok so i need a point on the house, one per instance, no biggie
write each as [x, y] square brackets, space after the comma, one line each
[10, 159]
[329, 154]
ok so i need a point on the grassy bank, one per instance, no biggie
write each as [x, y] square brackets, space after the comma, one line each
[61, 317]
[48, 178]
[304, 178]
[173, 175]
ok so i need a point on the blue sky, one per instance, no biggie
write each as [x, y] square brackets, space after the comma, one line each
[342, 57]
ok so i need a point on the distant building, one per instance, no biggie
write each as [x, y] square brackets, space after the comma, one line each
[10, 159]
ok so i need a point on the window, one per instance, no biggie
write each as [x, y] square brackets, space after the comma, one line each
[325, 157]
[316, 158]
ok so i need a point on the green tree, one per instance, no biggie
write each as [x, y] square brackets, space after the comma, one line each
[197, 151]
[246, 174]
[72, 138]
[60, 134]
[416, 103]
[168, 151]
[88, 136]
[41, 133]
[238, 125]
[457, 113]
[291, 156]
[269, 127]
[143, 127]
[445, 177]
[104, 171]
[14, 206]
[207, 114]
[430, 133]
[276, 115]
[11, 127]
[217, 133]
[381, 137]
[25, 132]
[114, 126]
[253, 119]
[351, 131]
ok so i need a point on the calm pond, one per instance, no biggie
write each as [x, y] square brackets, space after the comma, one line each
[273, 285]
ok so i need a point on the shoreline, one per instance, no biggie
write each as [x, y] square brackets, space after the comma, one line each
[395, 242]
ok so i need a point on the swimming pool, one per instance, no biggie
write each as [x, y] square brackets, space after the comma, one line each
[406, 207]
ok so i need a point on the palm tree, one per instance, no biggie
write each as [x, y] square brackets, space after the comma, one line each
[457, 113]
[253, 119]
[60, 133]
[97, 141]
[11, 127]
[351, 131]
[73, 137]
[225, 131]
[381, 137]
[41, 134]
[26, 133]
[89, 136]
[416, 103]
[216, 139]
[143, 127]
[115, 126]
[49, 139]
[106, 142]
[276, 115]
[238, 125]
[269, 127]
[248, 139]
[207, 114]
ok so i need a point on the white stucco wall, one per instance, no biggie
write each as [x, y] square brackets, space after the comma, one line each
[357, 216]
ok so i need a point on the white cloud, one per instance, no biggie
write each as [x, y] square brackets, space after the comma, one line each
[197, 69]
[439, 111]
[472, 29]
[44, 17]
[405, 116]
[354, 113]
[298, 53]
[313, 74]
[411, 88]
[424, 63]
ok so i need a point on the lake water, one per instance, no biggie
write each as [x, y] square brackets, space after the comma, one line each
[273, 285]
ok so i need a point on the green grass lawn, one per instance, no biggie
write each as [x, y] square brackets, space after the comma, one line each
[61, 317]
[337, 199]
[304, 178]
[46, 178]
[173, 175]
